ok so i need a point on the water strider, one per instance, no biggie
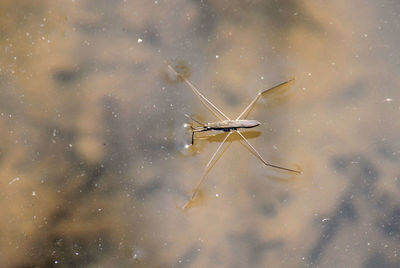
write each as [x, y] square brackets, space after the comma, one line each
[229, 126]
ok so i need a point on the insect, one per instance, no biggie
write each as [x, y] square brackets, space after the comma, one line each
[229, 126]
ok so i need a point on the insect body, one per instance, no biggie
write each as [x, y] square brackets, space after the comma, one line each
[232, 124]
[227, 125]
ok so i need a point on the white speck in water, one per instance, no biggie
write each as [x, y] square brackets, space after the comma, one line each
[365, 35]
[326, 219]
[303, 88]
[138, 253]
[185, 125]
[14, 180]
[309, 74]
[33, 193]
[216, 56]
[70, 145]
[55, 262]
[299, 130]
[139, 40]
[262, 77]
[388, 99]
[76, 253]
[187, 146]
[216, 195]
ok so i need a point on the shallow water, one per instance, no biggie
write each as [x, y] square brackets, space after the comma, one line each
[94, 167]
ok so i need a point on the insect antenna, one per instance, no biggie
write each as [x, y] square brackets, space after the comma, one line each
[198, 122]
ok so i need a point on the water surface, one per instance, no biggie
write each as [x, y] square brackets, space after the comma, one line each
[94, 168]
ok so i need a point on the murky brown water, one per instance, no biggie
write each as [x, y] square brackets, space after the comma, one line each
[92, 160]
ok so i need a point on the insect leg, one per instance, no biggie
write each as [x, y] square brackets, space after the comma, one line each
[208, 104]
[254, 151]
[213, 160]
[246, 111]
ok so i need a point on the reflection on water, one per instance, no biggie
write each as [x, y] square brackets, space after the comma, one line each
[93, 166]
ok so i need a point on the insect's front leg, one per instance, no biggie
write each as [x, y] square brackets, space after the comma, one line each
[198, 129]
